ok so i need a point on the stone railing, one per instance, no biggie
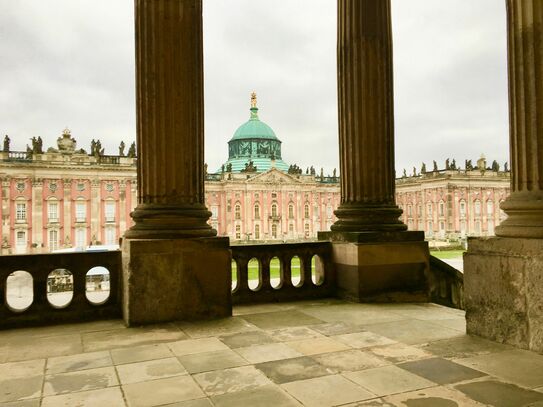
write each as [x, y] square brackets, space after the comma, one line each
[109, 159]
[53, 288]
[446, 284]
[282, 272]
[19, 156]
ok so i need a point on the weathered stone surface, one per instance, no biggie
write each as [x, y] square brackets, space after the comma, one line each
[504, 290]
[176, 279]
[524, 206]
[382, 272]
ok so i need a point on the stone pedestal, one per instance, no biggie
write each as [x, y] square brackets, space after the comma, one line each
[503, 290]
[380, 266]
[176, 279]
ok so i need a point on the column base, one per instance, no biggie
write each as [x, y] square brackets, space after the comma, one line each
[503, 290]
[358, 218]
[525, 216]
[380, 267]
[176, 279]
[161, 221]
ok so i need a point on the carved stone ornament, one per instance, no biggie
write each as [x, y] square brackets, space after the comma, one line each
[109, 187]
[53, 186]
[80, 186]
[21, 186]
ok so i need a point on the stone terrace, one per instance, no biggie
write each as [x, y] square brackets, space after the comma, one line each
[319, 353]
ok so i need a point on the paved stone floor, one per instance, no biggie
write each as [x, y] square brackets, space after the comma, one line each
[322, 353]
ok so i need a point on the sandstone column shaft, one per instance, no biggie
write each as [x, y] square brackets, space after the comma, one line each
[366, 117]
[170, 120]
[525, 65]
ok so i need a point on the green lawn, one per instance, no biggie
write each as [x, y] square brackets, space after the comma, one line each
[274, 268]
[447, 254]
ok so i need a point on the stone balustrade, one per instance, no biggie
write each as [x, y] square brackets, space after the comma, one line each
[282, 272]
[44, 289]
[53, 288]
[446, 284]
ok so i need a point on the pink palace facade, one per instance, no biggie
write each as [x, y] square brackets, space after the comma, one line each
[67, 198]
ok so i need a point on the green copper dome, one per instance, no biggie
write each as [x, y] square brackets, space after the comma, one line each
[254, 142]
[254, 128]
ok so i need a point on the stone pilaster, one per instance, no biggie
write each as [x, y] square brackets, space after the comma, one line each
[524, 206]
[366, 118]
[170, 121]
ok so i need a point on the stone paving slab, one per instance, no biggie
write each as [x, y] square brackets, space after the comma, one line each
[326, 391]
[140, 353]
[516, 366]
[111, 397]
[312, 353]
[441, 371]
[208, 361]
[499, 394]
[290, 370]
[162, 391]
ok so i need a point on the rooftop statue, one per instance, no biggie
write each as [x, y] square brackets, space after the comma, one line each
[132, 150]
[6, 144]
[121, 149]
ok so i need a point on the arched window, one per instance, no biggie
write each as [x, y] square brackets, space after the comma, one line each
[409, 210]
[237, 211]
[274, 231]
[274, 210]
[257, 211]
[441, 208]
[429, 209]
[257, 232]
[477, 207]
[306, 211]
[291, 211]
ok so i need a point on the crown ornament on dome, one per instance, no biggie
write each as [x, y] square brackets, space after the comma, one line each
[253, 100]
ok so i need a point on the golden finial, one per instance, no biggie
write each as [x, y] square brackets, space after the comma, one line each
[66, 132]
[253, 99]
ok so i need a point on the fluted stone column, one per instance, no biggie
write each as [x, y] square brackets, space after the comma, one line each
[525, 62]
[170, 121]
[366, 118]
[503, 275]
[174, 268]
[375, 257]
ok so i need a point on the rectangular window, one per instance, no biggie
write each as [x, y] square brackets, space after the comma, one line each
[110, 236]
[21, 238]
[257, 232]
[214, 212]
[110, 211]
[52, 212]
[21, 212]
[80, 237]
[238, 232]
[80, 212]
[53, 239]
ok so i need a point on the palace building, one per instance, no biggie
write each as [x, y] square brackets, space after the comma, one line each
[65, 197]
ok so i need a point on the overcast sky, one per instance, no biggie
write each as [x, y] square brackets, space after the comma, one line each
[71, 63]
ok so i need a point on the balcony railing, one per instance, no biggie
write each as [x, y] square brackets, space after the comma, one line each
[69, 287]
[282, 272]
[31, 295]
